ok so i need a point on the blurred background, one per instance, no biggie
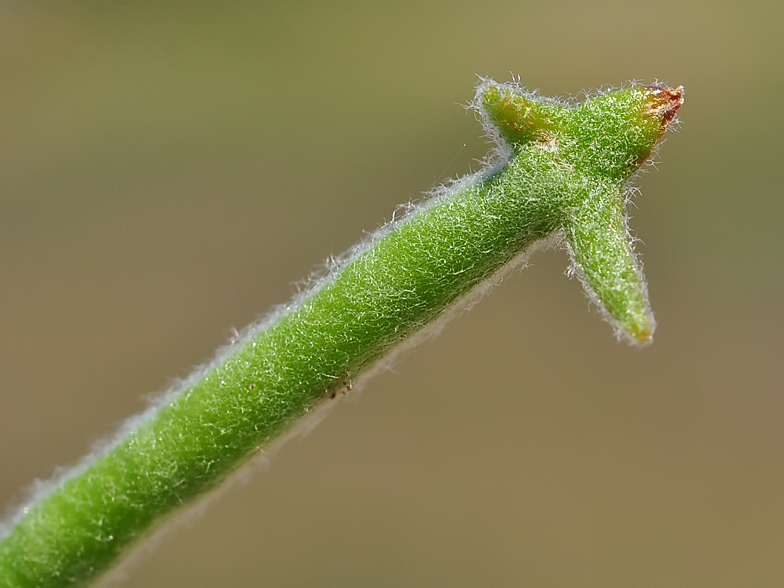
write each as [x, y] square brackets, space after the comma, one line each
[169, 170]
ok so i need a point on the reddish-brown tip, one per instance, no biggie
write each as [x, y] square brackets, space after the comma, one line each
[664, 102]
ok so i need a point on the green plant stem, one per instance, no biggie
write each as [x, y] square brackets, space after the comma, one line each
[562, 170]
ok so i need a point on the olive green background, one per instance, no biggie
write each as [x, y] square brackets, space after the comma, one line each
[168, 172]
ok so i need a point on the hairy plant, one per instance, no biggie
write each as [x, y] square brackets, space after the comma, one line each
[560, 174]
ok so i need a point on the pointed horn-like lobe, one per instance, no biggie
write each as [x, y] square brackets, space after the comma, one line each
[518, 118]
[604, 260]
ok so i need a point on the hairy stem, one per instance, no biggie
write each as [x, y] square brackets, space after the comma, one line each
[561, 170]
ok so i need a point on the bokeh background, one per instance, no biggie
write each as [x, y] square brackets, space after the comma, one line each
[169, 170]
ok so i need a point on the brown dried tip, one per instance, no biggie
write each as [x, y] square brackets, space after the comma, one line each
[664, 102]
